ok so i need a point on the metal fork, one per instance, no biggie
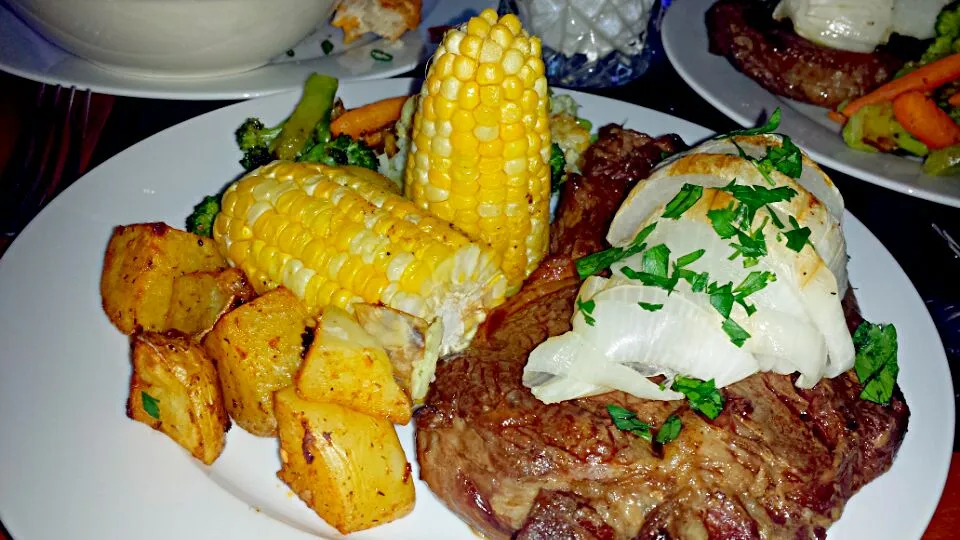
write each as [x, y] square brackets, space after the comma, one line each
[47, 156]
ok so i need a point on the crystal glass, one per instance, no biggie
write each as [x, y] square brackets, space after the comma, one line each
[592, 43]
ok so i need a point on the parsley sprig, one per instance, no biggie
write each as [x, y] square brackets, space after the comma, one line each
[687, 197]
[626, 420]
[876, 361]
[587, 309]
[601, 260]
[703, 396]
[151, 405]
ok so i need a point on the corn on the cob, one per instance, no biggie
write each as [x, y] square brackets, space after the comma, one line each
[333, 237]
[481, 140]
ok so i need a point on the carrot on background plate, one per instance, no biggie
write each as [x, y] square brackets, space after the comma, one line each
[922, 118]
[924, 79]
[368, 118]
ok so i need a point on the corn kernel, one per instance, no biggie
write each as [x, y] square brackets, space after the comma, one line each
[470, 46]
[438, 179]
[515, 149]
[469, 96]
[450, 88]
[501, 35]
[512, 23]
[510, 113]
[486, 133]
[511, 132]
[444, 66]
[478, 26]
[492, 180]
[489, 73]
[462, 121]
[464, 68]
[490, 95]
[489, 15]
[492, 148]
[486, 115]
[490, 52]
[465, 175]
[464, 143]
[445, 108]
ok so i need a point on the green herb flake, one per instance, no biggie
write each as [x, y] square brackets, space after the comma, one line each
[596, 262]
[702, 395]
[721, 298]
[587, 309]
[738, 336]
[786, 158]
[381, 56]
[627, 420]
[755, 281]
[656, 260]
[699, 283]
[650, 307]
[326, 46]
[750, 246]
[753, 198]
[876, 361]
[670, 429]
[652, 280]
[769, 127]
[151, 405]
[689, 258]
[687, 197]
[722, 221]
[798, 236]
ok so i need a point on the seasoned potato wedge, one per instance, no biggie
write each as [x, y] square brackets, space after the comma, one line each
[347, 466]
[412, 345]
[174, 389]
[199, 299]
[258, 348]
[139, 267]
[347, 366]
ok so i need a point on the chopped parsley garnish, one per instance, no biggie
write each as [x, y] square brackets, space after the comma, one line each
[687, 197]
[670, 429]
[702, 395]
[699, 282]
[587, 309]
[689, 258]
[722, 221]
[627, 420]
[151, 405]
[381, 56]
[656, 263]
[876, 361]
[753, 198]
[751, 246]
[738, 336]
[785, 158]
[798, 236]
[772, 124]
[650, 307]
[754, 282]
[721, 298]
[326, 46]
[656, 260]
[601, 260]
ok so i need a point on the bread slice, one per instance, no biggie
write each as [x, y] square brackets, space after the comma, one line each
[386, 18]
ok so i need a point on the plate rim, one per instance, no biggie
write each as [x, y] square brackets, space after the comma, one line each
[19, 244]
[671, 45]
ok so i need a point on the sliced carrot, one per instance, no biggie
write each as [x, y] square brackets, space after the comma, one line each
[368, 118]
[954, 100]
[837, 117]
[922, 118]
[924, 79]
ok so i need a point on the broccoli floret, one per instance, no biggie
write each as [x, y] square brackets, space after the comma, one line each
[201, 220]
[557, 164]
[948, 21]
[294, 136]
[346, 151]
[947, 41]
[254, 140]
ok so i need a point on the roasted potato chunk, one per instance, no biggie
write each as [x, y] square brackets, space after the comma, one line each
[174, 389]
[347, 466]
[347, 366]
[199, 299]
[139, 267]
[412, 345]
[258, 348]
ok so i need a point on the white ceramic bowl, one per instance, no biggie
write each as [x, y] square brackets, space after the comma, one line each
[175, 38]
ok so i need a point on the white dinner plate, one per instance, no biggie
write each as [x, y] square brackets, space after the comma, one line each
[684, 36]
[72, 465]
[25, 53]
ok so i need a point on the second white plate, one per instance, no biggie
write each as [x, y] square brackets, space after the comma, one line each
[25, 53]
[685, 40]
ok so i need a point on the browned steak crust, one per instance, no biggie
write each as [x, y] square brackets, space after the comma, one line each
[784, 63]
[780, 462]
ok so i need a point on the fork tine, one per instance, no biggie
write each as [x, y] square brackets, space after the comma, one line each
[26, 147]
[49, 157]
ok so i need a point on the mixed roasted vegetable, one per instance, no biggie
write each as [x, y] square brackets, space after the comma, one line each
[917, 112]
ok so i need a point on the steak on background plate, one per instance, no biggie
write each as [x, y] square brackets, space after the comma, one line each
[786, 64]
[779, 462]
